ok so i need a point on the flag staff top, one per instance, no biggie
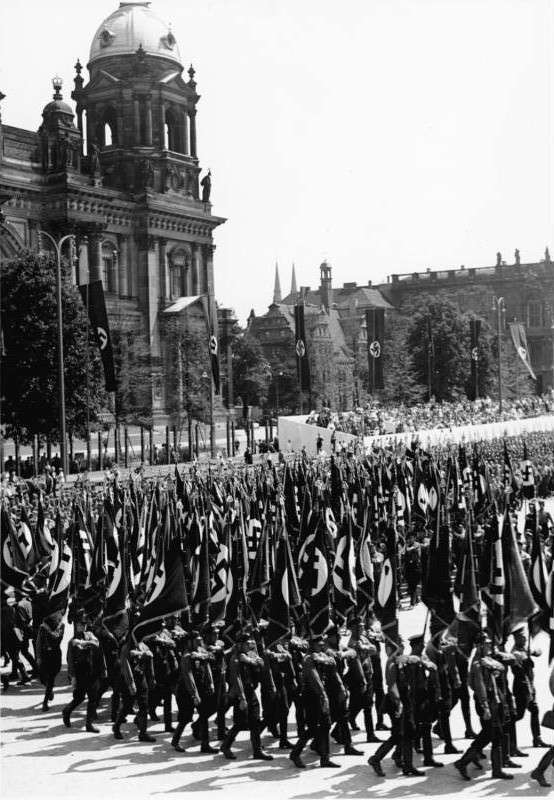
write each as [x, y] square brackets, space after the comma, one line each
[57, 245]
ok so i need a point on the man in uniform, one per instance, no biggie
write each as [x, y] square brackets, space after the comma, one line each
[317, 708]
[216, 647]
[426, 692]
[195, 690]
[85, 669]
[483, 679]
[137, 679]
[48, 649]
[166, 671]
[525, 695]
[245, 673]
[359, 678]
[338, 694]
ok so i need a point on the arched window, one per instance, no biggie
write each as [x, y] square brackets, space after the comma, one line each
[178, 266]
[174, 130]
[109, 266]
[108, 127]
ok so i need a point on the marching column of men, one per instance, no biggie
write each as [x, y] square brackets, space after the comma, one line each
[330, 679]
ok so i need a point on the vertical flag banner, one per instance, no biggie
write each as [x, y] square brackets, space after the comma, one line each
[386, 605]
[93, 298]
[375, 322]
[517, 331]
[302, 361]
[474, 330]
[210, 311]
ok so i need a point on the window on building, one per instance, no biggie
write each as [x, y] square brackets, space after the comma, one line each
[108, 127]
[174, 126]
[109, 267]
[178, 265]
[534, 314]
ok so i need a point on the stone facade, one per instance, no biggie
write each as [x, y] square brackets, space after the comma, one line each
[122, 175]
[527, 291]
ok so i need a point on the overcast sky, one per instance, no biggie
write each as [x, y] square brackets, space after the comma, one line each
[386, 136]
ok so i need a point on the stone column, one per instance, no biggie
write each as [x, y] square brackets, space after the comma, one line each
[149, 289]
[148, 103]
[95, 257]
[136, 118]
[163, 277]
[209, 268]
[192, 115]
[195, 269]
[186, 146]
[122, 265]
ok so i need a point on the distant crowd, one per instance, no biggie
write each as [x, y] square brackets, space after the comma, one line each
[383, 418]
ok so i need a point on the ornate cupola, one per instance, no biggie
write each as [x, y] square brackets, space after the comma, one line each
[137, 113]
[59, 139]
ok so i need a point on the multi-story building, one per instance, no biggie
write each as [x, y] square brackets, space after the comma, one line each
[527, 292]
[121, 171]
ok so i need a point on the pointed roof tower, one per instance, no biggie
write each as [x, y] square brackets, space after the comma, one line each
[293, 287]
[277, 297]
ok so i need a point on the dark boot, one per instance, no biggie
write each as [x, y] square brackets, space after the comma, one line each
[117, 731]
[227, 743]
[428, 760]
[542, 766]
[375, 764]
[256, 741]
[462, 764]
[496, 758]
[66, 713]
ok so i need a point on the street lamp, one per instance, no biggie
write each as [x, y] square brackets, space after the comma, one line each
[57, 245]
[498, 303]
[207, 377]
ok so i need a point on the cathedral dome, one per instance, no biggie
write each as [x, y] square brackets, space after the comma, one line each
[133, 25]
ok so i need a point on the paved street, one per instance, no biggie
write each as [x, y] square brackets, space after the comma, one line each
[42, 759]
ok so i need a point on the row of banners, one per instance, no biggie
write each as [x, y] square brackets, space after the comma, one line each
[95, 303]
[375, 325]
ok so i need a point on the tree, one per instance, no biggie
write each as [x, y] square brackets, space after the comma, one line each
[29, 362]
[399, 371]
[251, 372]
[449, 357]
[133, 398]
[187, 369]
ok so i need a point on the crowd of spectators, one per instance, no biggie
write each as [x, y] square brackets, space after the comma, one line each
[380, 418]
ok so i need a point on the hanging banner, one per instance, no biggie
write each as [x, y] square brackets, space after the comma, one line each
[474, 330]
[302, 361]
[375, 322]
[519, 339]
[210, 311]
[95, 303]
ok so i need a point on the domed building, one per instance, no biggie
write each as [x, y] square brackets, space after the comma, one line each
[121, 171]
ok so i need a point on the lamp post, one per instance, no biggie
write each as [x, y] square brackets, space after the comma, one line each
[57, 245]
[498, 303]
[209, 378]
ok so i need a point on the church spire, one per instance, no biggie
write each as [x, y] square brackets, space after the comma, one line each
[277, 289]
[293, 287]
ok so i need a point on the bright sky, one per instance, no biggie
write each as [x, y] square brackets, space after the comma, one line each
[384, 135]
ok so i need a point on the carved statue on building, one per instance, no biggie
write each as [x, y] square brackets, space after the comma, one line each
[94, 160]
[206, 184]
[517, 257]
[146, 174]
[499, 259]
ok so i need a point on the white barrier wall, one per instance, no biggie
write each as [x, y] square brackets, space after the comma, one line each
[468, 433]
[294, 433]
